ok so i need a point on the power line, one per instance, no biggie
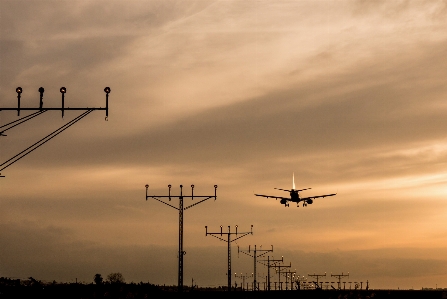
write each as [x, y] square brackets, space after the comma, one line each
[43, 141]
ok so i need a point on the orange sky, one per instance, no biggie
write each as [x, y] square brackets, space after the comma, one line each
[348, 95]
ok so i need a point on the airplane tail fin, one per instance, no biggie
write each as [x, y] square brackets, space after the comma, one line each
[293, 181]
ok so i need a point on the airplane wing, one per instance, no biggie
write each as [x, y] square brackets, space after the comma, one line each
[282, 189]
[275, 197]
[317, 196]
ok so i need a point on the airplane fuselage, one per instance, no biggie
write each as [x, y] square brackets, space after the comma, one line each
[294, 196]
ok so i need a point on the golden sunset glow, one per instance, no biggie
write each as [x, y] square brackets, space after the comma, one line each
[345, 97]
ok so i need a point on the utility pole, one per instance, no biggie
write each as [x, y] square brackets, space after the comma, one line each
[39, 111]
[317, 276]
[340, 276]
[268, 260]
[255, 256]
[180, 209]
[228, 240]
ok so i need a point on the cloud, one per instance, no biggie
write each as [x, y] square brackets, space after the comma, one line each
[341, 117]
[349, 96]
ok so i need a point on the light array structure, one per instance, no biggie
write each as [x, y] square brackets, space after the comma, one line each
[289, 274]
[279, 272]
[255, 255]
[229, 240]
[317, 276]
[271, 264]
[39, 111]
[340, 276]
[258, 283]
[242, 276]
[299, 280]
[357, 286]
[180, 209]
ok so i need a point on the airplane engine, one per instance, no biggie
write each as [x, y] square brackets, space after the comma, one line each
[310, 201]
[283, 201]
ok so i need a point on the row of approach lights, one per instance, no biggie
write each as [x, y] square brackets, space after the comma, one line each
[63, 90]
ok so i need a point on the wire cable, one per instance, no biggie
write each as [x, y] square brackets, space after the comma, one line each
[22, 120]
[43, 140]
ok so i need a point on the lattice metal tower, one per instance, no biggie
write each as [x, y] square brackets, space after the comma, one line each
[340, 276]
[268, 260]
[287, 275]
[255, 256]
[317, 276]
[180, 209]
[279, 272]
[228, 240]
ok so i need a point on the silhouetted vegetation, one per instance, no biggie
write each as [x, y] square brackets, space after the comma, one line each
[115, 278]
[98, 279]
[33, 288]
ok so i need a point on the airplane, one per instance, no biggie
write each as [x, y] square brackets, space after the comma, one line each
[295, 196]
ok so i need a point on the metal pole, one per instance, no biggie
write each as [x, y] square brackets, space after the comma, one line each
[19, 93]
[254, 269]
[180, 242]
[229, 259]
[268, 273]
[255, 256]
[228, 240]
[41, 91]
[181, 208]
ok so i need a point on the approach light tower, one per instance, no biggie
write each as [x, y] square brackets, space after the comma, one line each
[340, 276]
[38, 111]
[269, 265]
[255, 256]
[289, 274]
[229, 240]
[317, 276]
[180, 209]
[242, 276]
[279, 272]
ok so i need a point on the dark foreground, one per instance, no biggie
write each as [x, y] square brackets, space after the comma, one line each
[134, 291]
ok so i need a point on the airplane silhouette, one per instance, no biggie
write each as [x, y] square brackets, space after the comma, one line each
[295, 196]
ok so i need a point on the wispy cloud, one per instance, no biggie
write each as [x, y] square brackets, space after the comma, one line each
[348, 95]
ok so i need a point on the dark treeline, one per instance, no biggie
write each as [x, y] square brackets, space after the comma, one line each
[31, 288]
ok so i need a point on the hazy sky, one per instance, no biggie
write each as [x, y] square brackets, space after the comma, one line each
[348, 95]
